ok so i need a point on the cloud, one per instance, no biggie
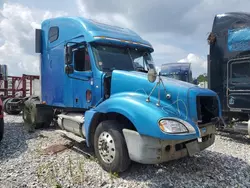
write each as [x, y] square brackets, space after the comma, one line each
[157, 16]
[176, 17]
[170, 26]
[113, 17]
[180, 24]
[163, 52]
[17, 28]
[166, 53]
[198, 64]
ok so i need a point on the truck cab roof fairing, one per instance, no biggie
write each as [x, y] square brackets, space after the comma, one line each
[94, 31]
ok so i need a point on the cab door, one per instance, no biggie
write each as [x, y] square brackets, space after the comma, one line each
[81, 78]
[238, 84]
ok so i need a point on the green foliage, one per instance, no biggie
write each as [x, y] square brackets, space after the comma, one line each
[202, 78]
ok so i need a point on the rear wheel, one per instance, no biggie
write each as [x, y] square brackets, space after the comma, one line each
[30, 114]
[1, 128]
[110, 147]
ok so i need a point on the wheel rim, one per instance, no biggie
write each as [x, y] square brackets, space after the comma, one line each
[106, 147]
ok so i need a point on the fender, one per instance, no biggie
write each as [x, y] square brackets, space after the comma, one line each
[144, 115]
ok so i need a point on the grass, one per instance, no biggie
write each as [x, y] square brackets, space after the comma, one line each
[53, 173]
[73, 171]
[113, 176]
[49, 172]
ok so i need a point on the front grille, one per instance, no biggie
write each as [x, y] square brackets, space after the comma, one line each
[207, 109]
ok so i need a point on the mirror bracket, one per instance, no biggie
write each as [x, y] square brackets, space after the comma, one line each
[69, 69]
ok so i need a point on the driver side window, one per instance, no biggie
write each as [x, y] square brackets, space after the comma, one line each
[82, 60]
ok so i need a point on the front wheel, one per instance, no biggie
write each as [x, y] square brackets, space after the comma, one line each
[110, 147]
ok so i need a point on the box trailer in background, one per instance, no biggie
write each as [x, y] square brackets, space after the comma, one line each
[229, 68]
[179, 71]
[14, 90]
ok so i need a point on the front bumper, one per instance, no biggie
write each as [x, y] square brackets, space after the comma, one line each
[150, 150]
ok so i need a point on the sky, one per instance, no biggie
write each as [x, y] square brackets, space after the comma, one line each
[177, 29]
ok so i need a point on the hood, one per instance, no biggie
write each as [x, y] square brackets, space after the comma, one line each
[182, 94]
[134, 81]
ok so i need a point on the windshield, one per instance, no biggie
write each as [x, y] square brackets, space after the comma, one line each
[110, 58]
[240, 72]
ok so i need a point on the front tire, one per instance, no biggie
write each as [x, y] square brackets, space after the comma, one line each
[110, 147]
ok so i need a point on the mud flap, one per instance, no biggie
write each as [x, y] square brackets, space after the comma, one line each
[193, 148]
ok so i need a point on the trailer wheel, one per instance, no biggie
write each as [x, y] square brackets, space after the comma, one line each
[110, 147]
[1, 128]
[7, 109]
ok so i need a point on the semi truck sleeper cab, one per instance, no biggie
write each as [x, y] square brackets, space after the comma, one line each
[99, 82]
[229, 67]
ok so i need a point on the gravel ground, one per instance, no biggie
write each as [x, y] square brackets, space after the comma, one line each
[23, 164]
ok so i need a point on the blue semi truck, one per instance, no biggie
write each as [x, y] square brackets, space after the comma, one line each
[99, 82]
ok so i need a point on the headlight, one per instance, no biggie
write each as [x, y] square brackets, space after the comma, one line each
[172, 126]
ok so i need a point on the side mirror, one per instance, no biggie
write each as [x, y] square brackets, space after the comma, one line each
[152, 75]
[69, 69]
[68, 55]
[38, 40]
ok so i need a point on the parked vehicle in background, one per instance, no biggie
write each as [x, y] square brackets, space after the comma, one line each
[179, 71]
[15, 90]
[203, 84]
[99, 82]
[1, 120]
[229, 67]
